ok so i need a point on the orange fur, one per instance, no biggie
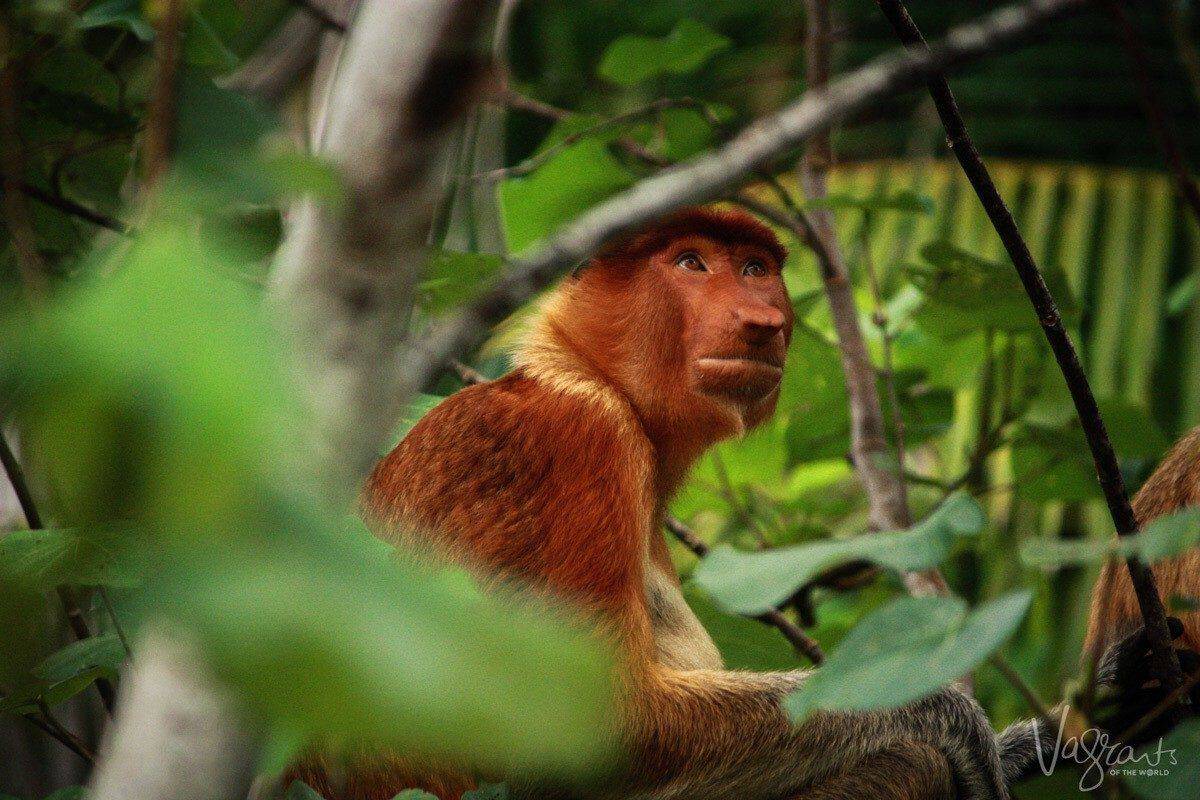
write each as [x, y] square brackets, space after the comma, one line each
[1174, 485]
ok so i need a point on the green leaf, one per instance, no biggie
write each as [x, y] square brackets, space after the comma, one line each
[1161, 538]
[1175, 762]
[1052, 464]
[966, 293]
[1133, 431]
[299, 790]
[415, 794]
[332, 636]
[125, 14]
[575, 179]
[743, 643]
[418, 407]
[905, 200]
[104, 651]
[633, 59]
[203, 47]
[752, 583]
[452, 278]
[48, 558]
[907, 650]
[487, 791]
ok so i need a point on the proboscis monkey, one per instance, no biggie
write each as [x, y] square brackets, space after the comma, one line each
[557, 477]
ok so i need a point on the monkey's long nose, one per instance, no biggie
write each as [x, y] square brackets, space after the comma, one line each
[759, 322]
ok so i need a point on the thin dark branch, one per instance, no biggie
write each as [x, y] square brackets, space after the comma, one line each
[533, 162]
[1160, 124]
[803, 644]
[1179, 21]
[1013, 677]
[318, 12]
[1103, 455]
[68, 206]
[50, 726]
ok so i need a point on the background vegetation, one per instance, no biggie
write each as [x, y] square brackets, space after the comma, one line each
[147, 397]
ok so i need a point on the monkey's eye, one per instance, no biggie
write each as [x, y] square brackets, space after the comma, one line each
[755, 269]
[690, 261]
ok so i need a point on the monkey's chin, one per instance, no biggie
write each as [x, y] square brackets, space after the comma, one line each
[743, 381]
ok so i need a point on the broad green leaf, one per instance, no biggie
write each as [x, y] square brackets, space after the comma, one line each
[49, 558]
[299, 790]
[452, 278]
[633, 59]
[966, 293]
[752, 583]
[120, 13]
[68, 793]
[575, 179]
[330, 636]
[487, 791]
[418, 407]
[1168, 769]
[813, 396]
[1161, 538]
[743, 643]
[1053, 464]
[414, 794]
[906, 650]
[104, 651]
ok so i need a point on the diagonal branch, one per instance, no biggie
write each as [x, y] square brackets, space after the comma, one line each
[1103, 455]
[716, 173]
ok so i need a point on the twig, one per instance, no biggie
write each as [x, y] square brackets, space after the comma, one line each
[112, 613]
[533, 162]
[68, 206]
[804, 644]
[46, 723]
[66, 595]
[887, 494]
[1107, 468]
[1161, 127]
[715, 174]
[160, 126]
[320, 14]
[1012, 676]
[16, 214]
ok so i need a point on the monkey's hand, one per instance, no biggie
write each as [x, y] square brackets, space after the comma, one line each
[1128, 690]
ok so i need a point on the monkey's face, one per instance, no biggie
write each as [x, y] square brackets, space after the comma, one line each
[735, 321]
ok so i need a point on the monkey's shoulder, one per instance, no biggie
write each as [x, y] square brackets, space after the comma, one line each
[516, 448]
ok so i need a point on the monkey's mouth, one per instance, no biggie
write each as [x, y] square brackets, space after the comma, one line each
[741, 377]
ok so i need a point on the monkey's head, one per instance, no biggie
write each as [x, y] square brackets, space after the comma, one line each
[689, 317]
